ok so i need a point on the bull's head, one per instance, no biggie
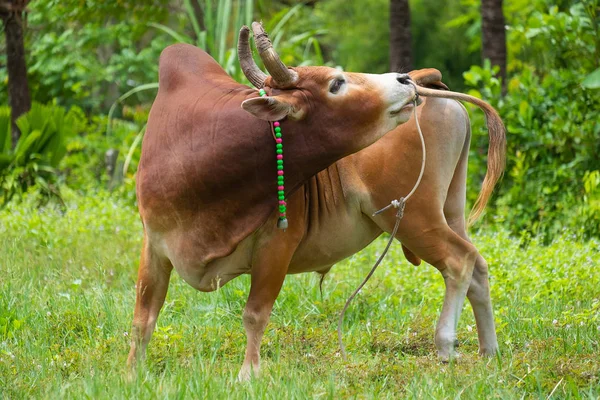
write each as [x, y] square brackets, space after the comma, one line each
[359, 108]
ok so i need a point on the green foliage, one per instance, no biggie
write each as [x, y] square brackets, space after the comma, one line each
[69, 280]
[85, 164]
[352, 30]
[102, 57]
[356, 26]
[592, 81]
[86, 53]
[571, 33]
[553, 124]
[439, 42]
[216, 31]
[45, 130]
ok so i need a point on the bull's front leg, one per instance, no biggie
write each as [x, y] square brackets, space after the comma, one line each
[269, 267]
[151, 289]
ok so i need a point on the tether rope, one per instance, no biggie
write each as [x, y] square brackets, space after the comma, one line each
[399, 204]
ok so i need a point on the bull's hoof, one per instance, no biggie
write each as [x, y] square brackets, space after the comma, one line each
[447, 357]
[488, 352]
[445, 344]
[247, 373]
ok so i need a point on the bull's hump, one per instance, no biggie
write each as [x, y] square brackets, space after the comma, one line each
[183, 65]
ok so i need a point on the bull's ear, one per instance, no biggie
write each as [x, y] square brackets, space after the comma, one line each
[271, 108]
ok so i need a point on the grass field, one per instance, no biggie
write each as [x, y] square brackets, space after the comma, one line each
[67, 294]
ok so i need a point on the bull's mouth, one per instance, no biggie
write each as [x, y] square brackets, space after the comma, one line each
[407, 107]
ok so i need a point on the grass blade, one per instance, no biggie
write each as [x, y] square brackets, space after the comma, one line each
[113, 107]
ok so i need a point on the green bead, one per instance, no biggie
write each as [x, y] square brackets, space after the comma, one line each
[281, 197]
[279, 151]
[279, 146]
[280, 162]
[277, 129]
[278, 135]
[280, 167]
[281, 208]
[280, 192]
[262, 92]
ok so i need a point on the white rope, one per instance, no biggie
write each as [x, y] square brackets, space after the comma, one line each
[399, 204]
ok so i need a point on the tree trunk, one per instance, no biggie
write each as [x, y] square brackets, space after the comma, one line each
[401, 59]
[11, 13]
[493, 35]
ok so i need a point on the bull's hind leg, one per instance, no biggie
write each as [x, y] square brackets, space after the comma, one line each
[479, 290]
[455, 258]
[479, 297]
[151, 290]
[457, 269]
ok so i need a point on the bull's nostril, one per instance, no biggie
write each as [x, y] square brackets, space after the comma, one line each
[403, 80]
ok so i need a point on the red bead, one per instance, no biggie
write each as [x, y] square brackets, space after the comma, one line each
[282, 214]
[276, 123]
[280, 156]
[280, 172]
[280, 188]
[282, 203]
[278, 141]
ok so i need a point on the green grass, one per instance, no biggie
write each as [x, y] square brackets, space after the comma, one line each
[67, 294]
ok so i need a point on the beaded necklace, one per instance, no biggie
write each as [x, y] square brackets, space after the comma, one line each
[282, 222]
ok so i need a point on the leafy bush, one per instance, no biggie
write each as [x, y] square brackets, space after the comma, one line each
[216, 32]
[358, 35]
[553, 124]
[86, 53]
[45, 130]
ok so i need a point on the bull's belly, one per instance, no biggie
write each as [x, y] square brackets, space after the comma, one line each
[205, 277]
[336, 239]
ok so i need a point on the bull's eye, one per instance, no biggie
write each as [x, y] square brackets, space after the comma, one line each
[336, 85]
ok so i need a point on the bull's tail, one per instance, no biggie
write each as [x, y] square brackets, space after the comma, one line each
[496, 149]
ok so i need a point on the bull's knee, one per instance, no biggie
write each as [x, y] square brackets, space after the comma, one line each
[479, 288]
[458, 265]
[254, 319]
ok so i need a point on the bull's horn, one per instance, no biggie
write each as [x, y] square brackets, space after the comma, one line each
[249, 67]
[279, 72]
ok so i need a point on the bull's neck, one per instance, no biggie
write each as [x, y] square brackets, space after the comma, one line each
[304, 153]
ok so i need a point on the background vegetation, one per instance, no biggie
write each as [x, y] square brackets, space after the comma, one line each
[103, 58]
[69, 232]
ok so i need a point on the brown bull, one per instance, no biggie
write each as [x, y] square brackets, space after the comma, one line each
[206, 183]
